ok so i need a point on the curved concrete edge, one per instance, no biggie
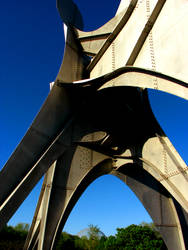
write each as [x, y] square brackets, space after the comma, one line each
[104, 167]
[63, 197]
[135, 77]
[148, 79]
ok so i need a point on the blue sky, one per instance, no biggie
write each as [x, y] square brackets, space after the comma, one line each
[31, 49]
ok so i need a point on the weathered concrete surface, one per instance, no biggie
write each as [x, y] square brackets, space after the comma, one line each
[75, 137]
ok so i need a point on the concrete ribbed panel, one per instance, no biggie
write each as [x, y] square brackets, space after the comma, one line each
[121, 48]
[165, 47]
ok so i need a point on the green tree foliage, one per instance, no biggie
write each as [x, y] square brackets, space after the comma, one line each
[153, 228]
[133, 237]
[138, 237]
[94, 232]
[72, 242]
[22, 227]
[13, 238]
[66, 241]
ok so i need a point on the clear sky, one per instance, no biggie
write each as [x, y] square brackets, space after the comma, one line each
[31, 50]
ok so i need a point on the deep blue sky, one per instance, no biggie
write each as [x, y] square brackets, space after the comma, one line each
[31, 50]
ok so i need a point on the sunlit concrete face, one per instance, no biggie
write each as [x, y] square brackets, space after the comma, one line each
[97, 120]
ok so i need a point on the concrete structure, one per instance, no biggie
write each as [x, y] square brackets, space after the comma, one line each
[97, 120]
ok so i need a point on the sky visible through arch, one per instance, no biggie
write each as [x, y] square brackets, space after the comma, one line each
[31, 49]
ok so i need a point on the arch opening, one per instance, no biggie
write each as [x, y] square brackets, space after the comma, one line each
[108, 203]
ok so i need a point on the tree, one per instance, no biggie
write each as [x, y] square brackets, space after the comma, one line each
[110, 243]
[133, 237]
[66, 241]
[94, 232]
[22, 227]
[11, 239]
[138, 237]
[153, 228]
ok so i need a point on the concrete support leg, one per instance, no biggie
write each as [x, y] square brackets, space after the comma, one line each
[64, 183]
[163, 162]
[163, 209]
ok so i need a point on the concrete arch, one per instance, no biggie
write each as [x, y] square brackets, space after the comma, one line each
[167, 214]
[63, 198]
